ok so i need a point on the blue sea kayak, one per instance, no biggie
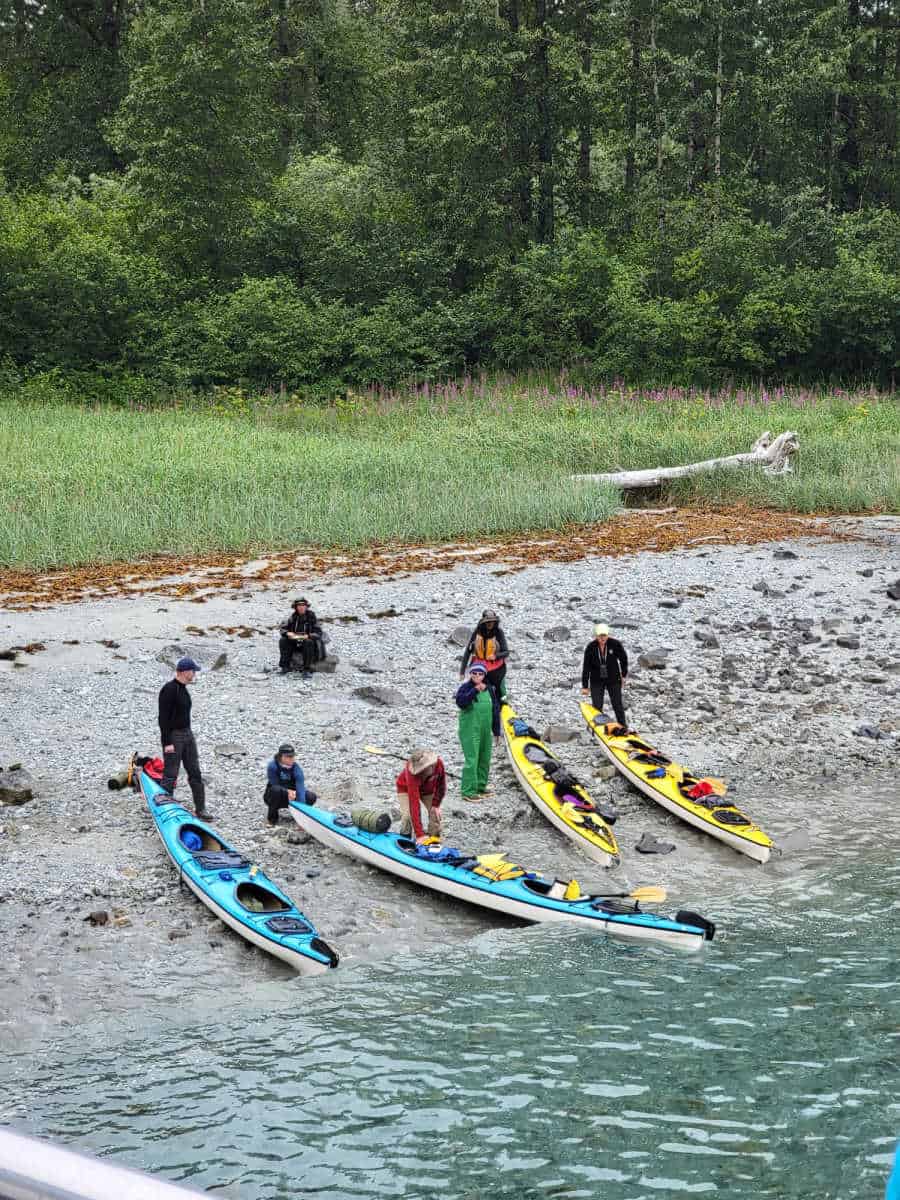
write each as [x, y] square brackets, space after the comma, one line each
[505, 887]
[233, 888]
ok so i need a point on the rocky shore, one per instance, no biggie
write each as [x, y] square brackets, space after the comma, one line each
[776, 666]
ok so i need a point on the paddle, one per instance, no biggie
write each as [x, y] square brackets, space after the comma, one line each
[650, 895]
[401, 757]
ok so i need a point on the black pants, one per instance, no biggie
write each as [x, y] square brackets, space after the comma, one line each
[184, 754]
[496, 677]
[288, 647]
[276, 798]
[614, 687]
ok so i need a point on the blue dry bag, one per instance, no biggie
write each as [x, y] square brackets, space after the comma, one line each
[191, 841]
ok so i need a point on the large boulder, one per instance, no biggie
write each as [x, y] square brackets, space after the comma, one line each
[209, 655]
[16, 786]
[559, 733]
[557, 633]
[459, 636]
[654, 660]
[325, 666]
[382, 697]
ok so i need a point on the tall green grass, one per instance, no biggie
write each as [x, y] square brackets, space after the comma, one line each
[239, 473]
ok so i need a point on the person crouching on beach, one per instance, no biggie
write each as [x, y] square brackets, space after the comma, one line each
[479, 719]
[284, 783]
[423, 781]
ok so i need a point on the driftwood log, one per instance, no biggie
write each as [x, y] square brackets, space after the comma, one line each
[772, 454]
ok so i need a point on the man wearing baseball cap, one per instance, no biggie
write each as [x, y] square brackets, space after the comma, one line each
[605, 668]
[179, 746]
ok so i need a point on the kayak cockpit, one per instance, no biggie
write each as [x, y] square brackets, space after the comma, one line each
[195, 837]
[256, 898]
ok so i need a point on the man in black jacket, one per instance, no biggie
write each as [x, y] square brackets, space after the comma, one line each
[301, 633]
[178, 741]
[605, 668]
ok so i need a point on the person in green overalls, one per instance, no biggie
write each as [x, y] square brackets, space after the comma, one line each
[479, 723]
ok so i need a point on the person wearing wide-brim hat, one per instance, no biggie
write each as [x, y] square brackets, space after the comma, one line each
[605, 669]
[488, 645]
[423, 781]
[479, 719]
[300, 634]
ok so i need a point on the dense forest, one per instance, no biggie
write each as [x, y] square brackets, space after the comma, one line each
[315, 194]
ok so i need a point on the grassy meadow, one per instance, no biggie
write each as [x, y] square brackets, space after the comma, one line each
[230, 471]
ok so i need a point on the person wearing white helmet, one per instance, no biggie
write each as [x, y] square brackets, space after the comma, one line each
[605, 669]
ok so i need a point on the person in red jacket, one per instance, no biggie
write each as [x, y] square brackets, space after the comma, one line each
[422, 781]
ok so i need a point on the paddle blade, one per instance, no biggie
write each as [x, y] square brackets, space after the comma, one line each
[376, 750]
[650, 895]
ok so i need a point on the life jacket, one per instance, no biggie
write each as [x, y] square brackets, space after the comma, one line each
[495, 867]
[486, 647]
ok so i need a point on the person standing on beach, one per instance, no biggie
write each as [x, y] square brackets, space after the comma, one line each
[178, 743]
[605, 668]
[479, 719]
[423, 781]
[488, 645]
[301, 633]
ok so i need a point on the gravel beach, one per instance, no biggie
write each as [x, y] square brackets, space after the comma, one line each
[776, 666]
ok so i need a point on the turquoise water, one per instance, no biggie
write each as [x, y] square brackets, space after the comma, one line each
[528, 1063]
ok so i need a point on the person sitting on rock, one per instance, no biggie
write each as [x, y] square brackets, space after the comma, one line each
[488, 645]
[422, 781]
[301, 633]
[479, 717]
[285, 782]
[605, 668]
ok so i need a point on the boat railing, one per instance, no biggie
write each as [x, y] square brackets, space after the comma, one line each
[39, 1170]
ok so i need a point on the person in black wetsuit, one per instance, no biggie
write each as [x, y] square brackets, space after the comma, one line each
[178, 743]
[301, 633]
[285, 782]
[605, 668]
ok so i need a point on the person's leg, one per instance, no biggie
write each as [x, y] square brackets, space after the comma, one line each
[308, 652]
[485, 749]
[285, 652]
[171, 765]
[405, 819]
[271, 797]
[191, 760]
[497, 677]
[597, 690]
[469, 743]
[615, 695]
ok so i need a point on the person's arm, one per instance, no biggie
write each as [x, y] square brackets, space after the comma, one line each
[623, 659]
[502, 648]
[440, 781]
[272, 773]
[299, 784]
[166, 714]
[586, 667]
[465, 694]
[467, 654]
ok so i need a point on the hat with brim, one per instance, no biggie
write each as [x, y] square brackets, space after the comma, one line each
[477, 666]
[187, 664]
[420, 760]
[285, 748]
[300, 600]
[601, 631]
[489, 615]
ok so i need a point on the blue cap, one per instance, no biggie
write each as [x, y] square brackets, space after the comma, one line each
[477, 666]
[187, 664]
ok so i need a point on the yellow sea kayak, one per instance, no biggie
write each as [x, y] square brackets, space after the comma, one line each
[668, 783]
[555, 792]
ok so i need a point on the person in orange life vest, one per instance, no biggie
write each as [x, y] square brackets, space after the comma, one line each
[488, 645]
[605, 668]
[422, 781]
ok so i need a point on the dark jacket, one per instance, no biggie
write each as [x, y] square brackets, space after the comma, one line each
[174, 709]
[616, 663]
[501, 651]
[284, 777]
[307, 623]
[465, 695]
